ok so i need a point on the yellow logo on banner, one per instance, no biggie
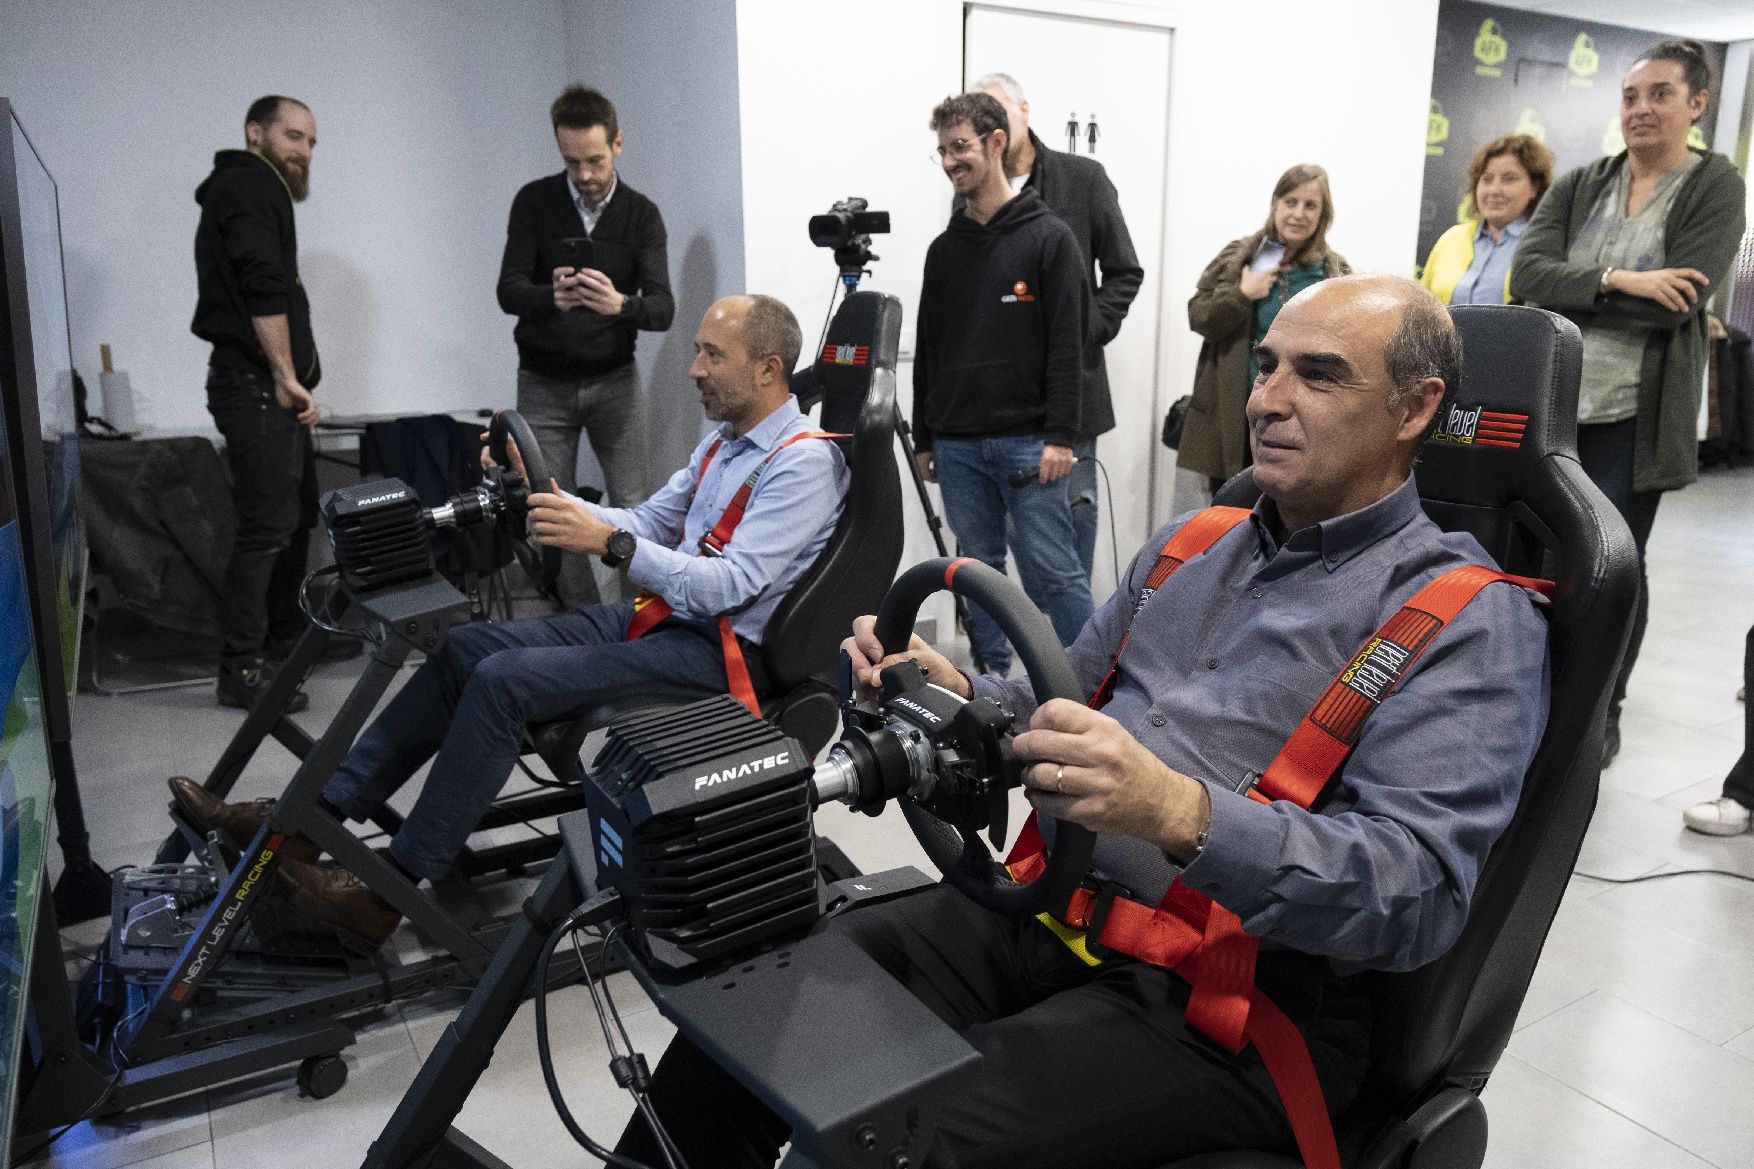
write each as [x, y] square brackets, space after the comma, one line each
[1490, 49]
[1696, 139]
[1612, 140]
[1462, 210]
[1584, 61]
[1436, 128]
[1527, 124]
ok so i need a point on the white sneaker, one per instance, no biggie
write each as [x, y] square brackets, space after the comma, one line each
[1720, 817]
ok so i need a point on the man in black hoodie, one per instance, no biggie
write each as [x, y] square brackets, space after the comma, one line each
[1078, 190]
[998, 354]
[579, 311]
[251, 307]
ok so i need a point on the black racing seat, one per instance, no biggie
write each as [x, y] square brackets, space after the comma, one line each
[1502, 465]
[853, 378]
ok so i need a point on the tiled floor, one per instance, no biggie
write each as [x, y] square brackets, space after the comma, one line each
[1635, 1048]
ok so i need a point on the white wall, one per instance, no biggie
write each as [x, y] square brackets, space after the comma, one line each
[426, 127]
[1254, 88]
[670, 67]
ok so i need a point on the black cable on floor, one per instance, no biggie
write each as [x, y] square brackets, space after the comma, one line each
[1662, 876]
[1114, 539]
[545, 1055]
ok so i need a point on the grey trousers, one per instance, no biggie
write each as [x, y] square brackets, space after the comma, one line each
[607, 408]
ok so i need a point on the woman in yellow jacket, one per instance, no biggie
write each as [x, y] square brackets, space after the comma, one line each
[1470, 263]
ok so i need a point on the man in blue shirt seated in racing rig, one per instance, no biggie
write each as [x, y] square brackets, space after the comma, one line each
[1095, 1057]
[695, 630]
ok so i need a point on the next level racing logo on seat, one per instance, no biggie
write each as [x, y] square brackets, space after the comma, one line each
[1478, 426]
[837, 354]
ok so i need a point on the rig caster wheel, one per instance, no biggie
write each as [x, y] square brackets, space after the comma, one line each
[321, 1076]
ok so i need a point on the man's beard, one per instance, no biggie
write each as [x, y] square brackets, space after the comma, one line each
[297, 178]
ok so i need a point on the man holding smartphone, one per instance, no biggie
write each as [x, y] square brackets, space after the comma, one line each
[586, 267]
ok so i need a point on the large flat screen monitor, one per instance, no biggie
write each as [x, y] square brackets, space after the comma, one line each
[42, 563]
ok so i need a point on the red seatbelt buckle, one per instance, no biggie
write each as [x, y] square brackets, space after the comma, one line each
[1106, 891]
[709, 548]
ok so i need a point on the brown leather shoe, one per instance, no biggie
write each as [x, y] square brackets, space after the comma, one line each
[334, 897]
[238, 823]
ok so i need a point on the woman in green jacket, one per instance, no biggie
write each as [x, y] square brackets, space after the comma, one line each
[1470, 263]
[1628, 247]
[1238, 296]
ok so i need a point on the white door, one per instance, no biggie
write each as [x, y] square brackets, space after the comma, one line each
[1077, 70]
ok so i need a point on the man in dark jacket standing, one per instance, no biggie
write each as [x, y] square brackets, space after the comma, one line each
[998, 353]
[1078, 190]
[251, 307]
[585, 269]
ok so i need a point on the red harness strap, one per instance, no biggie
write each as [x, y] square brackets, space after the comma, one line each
[649, 609]
[1202, 941]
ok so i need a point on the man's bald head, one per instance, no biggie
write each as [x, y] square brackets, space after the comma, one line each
[1423, 342]
[744, 354]
[1353, 372]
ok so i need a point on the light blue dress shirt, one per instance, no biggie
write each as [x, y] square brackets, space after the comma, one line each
[790, 516]
[1486, 278]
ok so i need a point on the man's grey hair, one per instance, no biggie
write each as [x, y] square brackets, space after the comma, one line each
[770, 330]
[1003, 82]
[1426, 344]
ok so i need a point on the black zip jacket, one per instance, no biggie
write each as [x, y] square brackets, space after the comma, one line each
[1078, 190]
[630, 248]
[998, 342]
[246, 265]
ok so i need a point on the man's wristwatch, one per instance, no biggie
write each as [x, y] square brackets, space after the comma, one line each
[619, 548]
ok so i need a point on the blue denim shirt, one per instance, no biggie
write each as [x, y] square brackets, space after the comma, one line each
[1226, 658]
[790, 516]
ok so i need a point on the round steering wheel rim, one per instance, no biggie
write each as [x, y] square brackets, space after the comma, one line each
[962, 856]
[542, 563]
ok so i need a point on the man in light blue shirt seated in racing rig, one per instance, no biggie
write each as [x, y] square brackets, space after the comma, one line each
[705, 601]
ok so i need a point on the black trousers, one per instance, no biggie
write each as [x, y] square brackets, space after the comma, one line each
[274, 488]
[1739, 784]
[1606, 452]
[1083, 1065]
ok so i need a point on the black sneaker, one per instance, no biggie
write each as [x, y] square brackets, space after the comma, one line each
[243, 685]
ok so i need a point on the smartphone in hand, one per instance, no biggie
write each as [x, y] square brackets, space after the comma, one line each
[578, 252]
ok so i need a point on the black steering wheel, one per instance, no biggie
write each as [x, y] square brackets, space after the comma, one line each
[961, 855]
[540, 562]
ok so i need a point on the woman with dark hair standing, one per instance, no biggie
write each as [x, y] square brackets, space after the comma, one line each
[1629, 247]
[1238, 296]
[1470, 263]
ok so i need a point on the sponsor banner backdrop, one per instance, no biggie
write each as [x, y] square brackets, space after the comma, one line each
[1506, 71]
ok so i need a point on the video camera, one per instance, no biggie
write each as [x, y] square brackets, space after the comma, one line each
[847, 228]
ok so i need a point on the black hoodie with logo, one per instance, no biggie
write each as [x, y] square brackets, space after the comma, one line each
[999, 335]
[246, 265]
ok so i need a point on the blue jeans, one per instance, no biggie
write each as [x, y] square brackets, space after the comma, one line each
[978, 496]
[470, 701]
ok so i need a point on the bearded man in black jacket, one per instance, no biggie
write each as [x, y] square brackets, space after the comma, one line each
[1078, 190]
[580, 306]
[252, 308]
[998, 355]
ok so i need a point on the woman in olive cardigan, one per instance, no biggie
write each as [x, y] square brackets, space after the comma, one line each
[1238, 295]
[1629, 248]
